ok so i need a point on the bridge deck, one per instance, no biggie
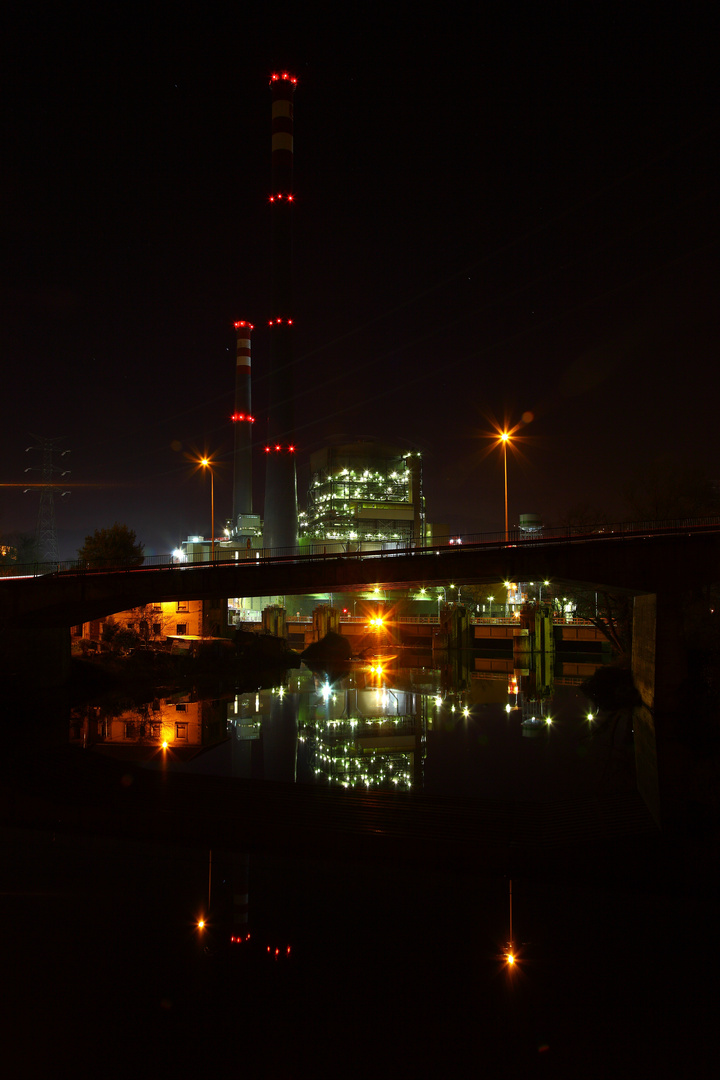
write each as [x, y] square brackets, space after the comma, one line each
[645, 562]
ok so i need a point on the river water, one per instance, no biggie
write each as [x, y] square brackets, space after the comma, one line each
[344, 959]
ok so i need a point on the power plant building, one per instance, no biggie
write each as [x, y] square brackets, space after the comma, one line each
[364, 493]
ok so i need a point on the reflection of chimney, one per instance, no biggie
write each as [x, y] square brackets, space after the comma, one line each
[243, 421]
[280, 481]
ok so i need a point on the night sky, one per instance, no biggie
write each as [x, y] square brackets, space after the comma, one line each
[497, 215]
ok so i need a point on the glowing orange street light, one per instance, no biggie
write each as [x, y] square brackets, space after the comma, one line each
[206, 464]
[505, 439]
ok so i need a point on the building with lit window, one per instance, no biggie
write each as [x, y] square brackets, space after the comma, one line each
[151, 622]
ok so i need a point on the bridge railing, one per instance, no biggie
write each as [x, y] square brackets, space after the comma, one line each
[353, 549]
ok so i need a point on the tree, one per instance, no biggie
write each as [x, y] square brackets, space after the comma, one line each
[110, 629]
[116, 546]
[18, 548]
[609, 612]
[666, 490]
[584, 517]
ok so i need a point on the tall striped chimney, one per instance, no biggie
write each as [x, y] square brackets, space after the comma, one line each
[281, 518]
[242, 422]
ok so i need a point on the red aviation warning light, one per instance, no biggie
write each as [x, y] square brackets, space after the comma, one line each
[279, 449]
[288, 78]
[238, 325]
[242, 416]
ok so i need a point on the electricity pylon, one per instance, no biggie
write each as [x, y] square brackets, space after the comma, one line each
[45, 531]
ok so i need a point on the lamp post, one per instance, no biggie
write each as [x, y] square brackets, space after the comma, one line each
[205, 462]
[504, 439]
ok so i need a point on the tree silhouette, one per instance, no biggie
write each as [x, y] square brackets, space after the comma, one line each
[116, 546]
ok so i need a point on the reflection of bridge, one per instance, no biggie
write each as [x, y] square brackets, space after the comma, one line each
[654, 562]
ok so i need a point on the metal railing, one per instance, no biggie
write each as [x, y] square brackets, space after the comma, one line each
[350, 549]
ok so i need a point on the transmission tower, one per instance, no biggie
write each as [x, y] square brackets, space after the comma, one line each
[46, 532]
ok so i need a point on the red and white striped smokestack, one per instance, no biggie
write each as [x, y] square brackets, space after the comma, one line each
[243, 422]
[281, 521]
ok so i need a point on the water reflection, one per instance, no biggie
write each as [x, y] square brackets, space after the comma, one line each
[358, 732]
[378, 726]
[181, 723]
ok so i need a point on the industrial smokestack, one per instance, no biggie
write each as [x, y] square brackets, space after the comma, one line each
[281, 526]
[243, 421]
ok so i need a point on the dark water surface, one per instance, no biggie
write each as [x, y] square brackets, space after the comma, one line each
[361, 960]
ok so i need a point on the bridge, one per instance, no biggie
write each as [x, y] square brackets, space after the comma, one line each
[654, 561]
[639, 558]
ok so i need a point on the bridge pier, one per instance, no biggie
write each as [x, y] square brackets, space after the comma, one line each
[274, 621]
[659, 669]
[325, 619]
[454, 629]
[36, 657]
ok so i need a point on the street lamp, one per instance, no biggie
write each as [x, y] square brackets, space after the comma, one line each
[205, 462]
[505, 439]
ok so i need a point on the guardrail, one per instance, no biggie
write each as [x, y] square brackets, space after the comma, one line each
[351, 549]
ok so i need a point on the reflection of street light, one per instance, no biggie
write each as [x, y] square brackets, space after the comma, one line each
[205, 462]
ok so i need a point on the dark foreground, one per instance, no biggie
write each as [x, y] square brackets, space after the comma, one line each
[395, 914]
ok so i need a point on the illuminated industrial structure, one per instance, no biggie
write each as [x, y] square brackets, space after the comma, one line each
[365, 494]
